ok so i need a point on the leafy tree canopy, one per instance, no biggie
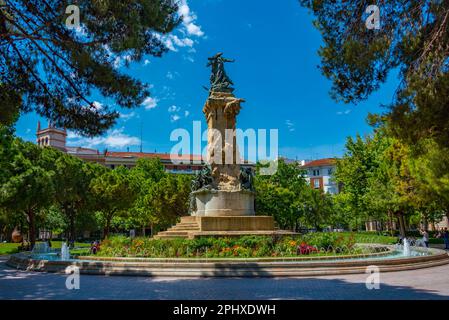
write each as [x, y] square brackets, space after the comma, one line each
[413, 39]
[52, 69]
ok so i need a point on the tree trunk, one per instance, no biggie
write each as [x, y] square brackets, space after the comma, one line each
[72, 234]
[425, 222]
[401, 221]
[106, 229]
[31, 228]
[108, 224]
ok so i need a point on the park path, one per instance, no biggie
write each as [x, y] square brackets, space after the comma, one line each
[432, 283]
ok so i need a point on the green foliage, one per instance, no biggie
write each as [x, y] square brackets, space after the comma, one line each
[243, 247]
[40, 56]
[412, 40]
[279, 195]
[162, 197]
[114, 192]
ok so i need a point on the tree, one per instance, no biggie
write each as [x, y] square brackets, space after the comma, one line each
[114, 192]
[27, 187]
[280, 195]
[168, 199]
[51, 66]
[146, 174]
[353, 172]
[412, 39]
[72, 180]
[379, 183]
[430, 168]
[318, 207]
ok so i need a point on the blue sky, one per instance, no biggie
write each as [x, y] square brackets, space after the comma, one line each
[275, 48]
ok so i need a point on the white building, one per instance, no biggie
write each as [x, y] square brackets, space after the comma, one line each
[320, 174]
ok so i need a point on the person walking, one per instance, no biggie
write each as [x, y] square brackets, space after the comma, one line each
[446, 239]
[425, 237]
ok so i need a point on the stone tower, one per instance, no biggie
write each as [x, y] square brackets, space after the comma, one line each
[51, 136]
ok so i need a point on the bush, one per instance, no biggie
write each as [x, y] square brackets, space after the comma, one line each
[244, 247]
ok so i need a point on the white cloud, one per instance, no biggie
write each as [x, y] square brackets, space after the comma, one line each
[188, 29]
[150, 103]
[186, 113]
[113, 139]
[347, 111]
[73, 135]
[189, 58]
[97, 105]
[189, 19]
[128, 116]
[290, 125]
[120, 61]
[174, 109]
[174, 118]
[146, 62]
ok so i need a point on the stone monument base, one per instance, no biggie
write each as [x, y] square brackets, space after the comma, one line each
[201, 226]
[224, 203]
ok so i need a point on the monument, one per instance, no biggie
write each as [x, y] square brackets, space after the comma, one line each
[222, 197]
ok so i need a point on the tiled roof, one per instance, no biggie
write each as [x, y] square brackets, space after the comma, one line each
[320, 163]
[162, 156]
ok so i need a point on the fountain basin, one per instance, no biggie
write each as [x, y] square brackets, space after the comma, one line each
[392, 260]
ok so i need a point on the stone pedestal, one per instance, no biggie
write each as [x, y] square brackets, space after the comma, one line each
[224, 203]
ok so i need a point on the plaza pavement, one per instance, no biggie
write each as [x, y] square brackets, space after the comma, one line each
[432, 283]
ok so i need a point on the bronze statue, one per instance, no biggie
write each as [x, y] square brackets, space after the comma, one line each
[219, 80]
[203, 181]
[246, 178]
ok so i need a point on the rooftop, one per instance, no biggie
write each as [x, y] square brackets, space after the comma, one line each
[320, 163]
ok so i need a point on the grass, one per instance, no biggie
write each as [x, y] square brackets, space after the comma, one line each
[364, 237]
[11, 248]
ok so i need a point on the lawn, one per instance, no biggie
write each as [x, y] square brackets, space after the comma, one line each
[10, 248]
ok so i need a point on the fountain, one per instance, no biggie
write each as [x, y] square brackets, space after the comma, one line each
[40, 247]
[406, 248]
[65, 252]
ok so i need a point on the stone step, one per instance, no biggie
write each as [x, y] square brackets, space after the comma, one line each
[182, 224]
[188, 219]
[182, 229]
[179, 228]
[169, 237]
[174, 233]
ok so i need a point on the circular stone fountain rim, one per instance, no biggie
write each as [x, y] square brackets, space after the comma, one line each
[231, 268]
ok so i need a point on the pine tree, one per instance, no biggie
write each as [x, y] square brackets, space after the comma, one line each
[51, 65]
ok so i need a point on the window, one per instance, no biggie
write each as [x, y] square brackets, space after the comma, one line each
[330, 171]
[316, 172]
[316, 183]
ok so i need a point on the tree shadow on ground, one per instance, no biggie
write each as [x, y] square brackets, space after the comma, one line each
[15, 284]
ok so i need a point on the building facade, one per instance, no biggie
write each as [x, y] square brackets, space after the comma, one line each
[320, 174]
[55, 137]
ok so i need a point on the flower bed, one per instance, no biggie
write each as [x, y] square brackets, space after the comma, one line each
[243, 247]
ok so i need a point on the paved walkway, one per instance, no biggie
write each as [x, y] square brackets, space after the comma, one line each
[430, 283]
